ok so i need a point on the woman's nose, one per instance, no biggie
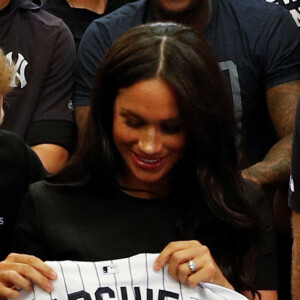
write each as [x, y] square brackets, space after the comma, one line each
[150, 142]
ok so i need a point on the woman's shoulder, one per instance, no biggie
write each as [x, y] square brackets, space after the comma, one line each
[43, 190]
[11, 141]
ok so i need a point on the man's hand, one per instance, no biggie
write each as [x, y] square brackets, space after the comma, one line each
[52, 156]
[275, 168]
[17, 271]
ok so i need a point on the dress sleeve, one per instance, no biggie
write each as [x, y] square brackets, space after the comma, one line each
[27, 236]
[53, 113]
[36, 170]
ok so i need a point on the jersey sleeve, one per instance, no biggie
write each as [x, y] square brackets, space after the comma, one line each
[52, 121]
[93, 46]
[280, 51]
[294, 187]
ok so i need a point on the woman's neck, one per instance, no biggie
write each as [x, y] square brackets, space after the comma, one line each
[143, 190]
[97, 6]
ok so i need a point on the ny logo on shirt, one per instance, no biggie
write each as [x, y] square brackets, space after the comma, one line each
[19, 70]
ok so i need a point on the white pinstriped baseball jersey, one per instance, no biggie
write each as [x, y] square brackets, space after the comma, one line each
[130, 278]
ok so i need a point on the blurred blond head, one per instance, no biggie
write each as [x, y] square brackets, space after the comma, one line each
[6, 73]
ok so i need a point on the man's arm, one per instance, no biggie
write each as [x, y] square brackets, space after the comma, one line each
[81, 117]
[275, 167]
[51, 130]
[296, 256]
[53, 157]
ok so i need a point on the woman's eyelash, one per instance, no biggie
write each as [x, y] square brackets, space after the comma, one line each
[166, 128]
[133, 123]
[171, 129]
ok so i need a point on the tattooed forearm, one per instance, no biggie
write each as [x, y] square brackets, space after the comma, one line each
[296, 257]
[275, 168]
[282, 102]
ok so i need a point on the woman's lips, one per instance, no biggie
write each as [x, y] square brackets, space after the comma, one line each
[149, 163]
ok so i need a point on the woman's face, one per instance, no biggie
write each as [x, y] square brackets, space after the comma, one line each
[148, 132]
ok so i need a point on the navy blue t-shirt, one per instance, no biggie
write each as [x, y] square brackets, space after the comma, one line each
[292, 5]
[78, 19]
[258, 46]
[43, 50]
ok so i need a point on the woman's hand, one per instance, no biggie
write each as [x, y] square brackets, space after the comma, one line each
[17, 271]
[178, 255]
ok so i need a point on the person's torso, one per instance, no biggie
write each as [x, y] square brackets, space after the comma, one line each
[27, 38]
[19, 166]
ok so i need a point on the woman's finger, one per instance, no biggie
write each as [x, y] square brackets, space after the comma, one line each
[34, 262]
[30, 268]
[171, 248]
[35, 276]
[8, 293]
[183, 273]
[13, 279]
[181, 257]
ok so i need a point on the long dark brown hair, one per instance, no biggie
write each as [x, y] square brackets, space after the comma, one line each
[208, 172]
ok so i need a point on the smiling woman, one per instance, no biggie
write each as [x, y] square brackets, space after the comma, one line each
[149, 136]
[157, 171]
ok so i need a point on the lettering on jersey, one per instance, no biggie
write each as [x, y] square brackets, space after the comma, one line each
[292, 5]
[1, 221]
[162, 294]
[19, 67]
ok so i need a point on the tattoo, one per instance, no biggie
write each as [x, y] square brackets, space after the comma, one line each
[282, 101]
[275, 168]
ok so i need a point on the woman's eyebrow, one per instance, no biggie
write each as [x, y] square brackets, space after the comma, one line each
[172, 120]
[125, 112]
[129, 113]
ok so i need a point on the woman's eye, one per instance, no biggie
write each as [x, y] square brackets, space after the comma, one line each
[171, 129]
[133, 123]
